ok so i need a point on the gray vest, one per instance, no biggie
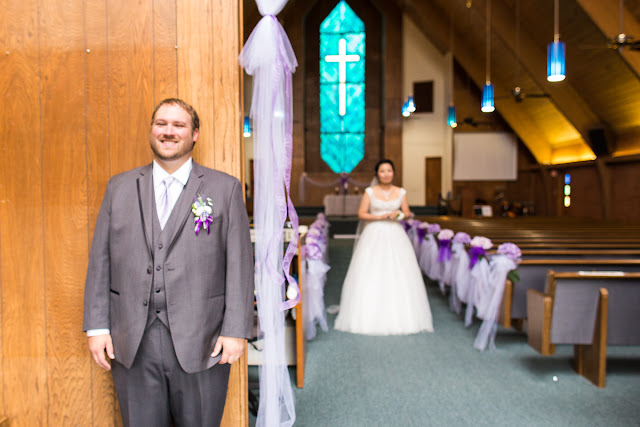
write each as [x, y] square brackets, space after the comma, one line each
[160, 241]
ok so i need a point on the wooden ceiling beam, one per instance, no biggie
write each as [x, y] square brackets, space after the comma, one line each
[434, 24]
[606, 18]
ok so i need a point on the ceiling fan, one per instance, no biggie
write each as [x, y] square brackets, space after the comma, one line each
[473, 122]
[622, 41]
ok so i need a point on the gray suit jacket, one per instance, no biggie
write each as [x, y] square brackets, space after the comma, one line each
[208, 278]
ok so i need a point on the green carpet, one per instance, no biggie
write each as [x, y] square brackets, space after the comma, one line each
[438, 378]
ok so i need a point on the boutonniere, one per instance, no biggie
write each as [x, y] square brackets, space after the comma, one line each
[202, 213]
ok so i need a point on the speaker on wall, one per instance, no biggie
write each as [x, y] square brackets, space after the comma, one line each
[598, 142]
[423, 96]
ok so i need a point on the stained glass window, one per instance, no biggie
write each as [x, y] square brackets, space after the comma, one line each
[342, 68]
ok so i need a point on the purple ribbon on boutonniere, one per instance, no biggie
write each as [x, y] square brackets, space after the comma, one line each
[421, 232]
[476, 252]
[445, 250]
[202, 213]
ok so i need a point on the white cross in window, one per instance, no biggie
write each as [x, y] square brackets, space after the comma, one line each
[342, 58]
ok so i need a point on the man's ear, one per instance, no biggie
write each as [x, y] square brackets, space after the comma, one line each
[196, 133]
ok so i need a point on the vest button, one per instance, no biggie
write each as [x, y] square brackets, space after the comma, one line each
[149, 270]
[157, 311]
[160, 246]
[157, 291]
[158, 268]
[145, 302]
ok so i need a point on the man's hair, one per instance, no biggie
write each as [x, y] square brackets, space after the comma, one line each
[195, 120]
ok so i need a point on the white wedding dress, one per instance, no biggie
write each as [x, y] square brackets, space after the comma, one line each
[383, 292]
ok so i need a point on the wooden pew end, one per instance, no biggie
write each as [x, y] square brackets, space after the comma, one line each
[590, 360]
[539, 322]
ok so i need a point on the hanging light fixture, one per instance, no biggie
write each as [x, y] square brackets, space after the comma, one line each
[411, 106]
[451, 116]
[555, 50]
[247, 127]
[405, 109]
[487, 104]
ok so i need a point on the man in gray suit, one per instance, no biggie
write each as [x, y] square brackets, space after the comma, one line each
[169, 290]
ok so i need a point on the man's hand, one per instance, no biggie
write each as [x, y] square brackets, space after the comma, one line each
[97, 347]
[232, 349]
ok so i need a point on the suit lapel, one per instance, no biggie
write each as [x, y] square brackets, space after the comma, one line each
[145, 200]
[182, 210]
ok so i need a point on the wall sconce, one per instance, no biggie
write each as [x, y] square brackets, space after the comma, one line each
[247, 127]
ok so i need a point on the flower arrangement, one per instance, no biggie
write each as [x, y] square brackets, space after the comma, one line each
[202, 213]
[445, 234]
[477, 251]
[433, 228]
[462, 237]
[513, 252]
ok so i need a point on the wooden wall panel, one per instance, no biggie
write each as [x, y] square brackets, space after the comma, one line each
[130, 82]
[78, 86]
[98, 172]
[65, 212]
[165, 39]
[21, 219]
[227, 136]
[196, 69]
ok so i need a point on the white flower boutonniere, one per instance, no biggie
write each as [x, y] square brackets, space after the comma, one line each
[202, 213]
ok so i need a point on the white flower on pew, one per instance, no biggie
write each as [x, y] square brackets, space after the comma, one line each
[433, 228]
[510, 250]
[481, 242]
[445, 234]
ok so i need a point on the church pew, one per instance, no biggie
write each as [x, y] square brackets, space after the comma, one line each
[580, 253]
[589, 311]
[532, 274]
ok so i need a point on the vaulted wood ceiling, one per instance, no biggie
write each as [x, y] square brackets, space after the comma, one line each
[602, 87]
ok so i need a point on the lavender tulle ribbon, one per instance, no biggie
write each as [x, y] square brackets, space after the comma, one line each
[475, 252]
[406, 225]
[421, 232]
[444, 253]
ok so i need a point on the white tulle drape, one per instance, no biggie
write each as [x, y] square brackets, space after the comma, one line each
[269, 58]
[489, 304]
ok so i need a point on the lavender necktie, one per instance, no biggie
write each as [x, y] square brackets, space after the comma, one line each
[164, 207]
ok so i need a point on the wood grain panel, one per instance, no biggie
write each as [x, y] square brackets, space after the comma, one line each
[21, 219]
[196, 68]
[65, 212]
[227, 125]
[165, 66]
[130, 82]
[97, 161]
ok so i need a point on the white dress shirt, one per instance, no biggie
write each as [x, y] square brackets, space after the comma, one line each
[181, 177]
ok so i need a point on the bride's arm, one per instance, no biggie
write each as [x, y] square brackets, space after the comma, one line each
[363, 212]
[404, 206]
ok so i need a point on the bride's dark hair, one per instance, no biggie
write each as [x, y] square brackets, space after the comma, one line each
[382, 162]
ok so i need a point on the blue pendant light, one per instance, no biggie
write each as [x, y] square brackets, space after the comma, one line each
[247, 127]
[555, 52]
[411, 107]
[451, 117]
[405, 109]
[487, 103]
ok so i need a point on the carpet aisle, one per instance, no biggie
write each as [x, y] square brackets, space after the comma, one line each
[438, 378]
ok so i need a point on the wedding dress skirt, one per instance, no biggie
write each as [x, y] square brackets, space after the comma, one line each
[383, 292]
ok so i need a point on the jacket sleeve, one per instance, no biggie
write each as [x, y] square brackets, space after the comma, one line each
[238, 315]
[96, 290]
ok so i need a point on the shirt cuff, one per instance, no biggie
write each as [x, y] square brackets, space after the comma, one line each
[95, 332]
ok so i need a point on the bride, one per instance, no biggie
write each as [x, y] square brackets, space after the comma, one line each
[383, 292]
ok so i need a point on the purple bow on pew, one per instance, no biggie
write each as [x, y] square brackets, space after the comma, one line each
[421, 232]
[475, 252]
[444, 253]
